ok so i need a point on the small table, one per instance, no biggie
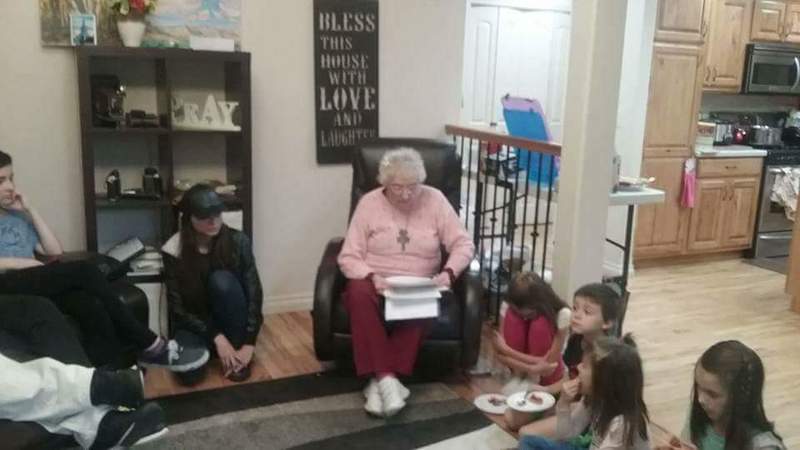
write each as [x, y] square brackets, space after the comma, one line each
[631, 199]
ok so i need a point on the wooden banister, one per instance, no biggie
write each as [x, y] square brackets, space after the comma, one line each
[793, 273]
[491, 135]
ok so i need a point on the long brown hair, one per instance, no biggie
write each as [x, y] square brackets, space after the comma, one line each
[617, 388]
[741, 374]
[529, 290]
[220, 249]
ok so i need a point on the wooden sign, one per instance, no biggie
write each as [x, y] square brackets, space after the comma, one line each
[346, 76]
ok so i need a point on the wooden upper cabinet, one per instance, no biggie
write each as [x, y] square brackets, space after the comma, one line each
[729, 32]
[792, 33]
[682, 21]
[769, 21]
[708, 215]
[661, 228]
[741, 212]
[675, 90]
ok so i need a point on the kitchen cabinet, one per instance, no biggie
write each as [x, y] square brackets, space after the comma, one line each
[676, 86]
[661, 228]
[705, 227]
[741, 212]
[724, 215]
[769, 20]
[792, 33]
[683, 21]
[675, 89]
[728, 35]
[776, 21]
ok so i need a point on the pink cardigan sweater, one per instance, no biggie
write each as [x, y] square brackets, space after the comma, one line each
[373, 243]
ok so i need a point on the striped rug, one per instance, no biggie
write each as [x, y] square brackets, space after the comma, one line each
[322, 411]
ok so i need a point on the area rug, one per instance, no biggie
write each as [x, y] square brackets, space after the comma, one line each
[322, 411]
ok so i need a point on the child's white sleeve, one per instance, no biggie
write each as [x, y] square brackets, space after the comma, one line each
[614, 438]
[563, 319]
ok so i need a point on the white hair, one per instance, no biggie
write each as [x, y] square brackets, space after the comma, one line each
[403, 160]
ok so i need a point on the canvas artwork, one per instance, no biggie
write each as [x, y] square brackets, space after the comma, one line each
[54, 17]
[171, 25]
[174, 21]
[83, 29]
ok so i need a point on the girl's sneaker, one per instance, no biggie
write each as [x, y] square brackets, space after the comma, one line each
[174, 357]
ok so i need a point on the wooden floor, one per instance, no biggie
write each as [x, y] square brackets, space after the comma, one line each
[675, 313]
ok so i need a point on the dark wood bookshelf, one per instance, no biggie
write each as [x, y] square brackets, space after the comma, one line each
[129, 130]
[165, 72]
[102, 202]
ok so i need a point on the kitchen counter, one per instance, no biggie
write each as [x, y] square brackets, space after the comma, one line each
[641, 197]
[728, 151]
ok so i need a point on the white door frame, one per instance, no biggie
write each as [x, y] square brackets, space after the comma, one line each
[526, 5]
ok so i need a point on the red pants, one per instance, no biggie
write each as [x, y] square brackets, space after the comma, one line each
[374, 349]
[534, 337]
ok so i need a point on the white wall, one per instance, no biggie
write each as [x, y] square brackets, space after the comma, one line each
[632, 111]
[298, 205]
[39, 124]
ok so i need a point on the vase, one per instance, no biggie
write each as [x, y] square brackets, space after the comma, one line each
[131, 31]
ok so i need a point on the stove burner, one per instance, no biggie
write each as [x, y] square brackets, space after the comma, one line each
[783, 156]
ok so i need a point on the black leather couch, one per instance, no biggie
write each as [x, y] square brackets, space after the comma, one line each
[455, 338]
[30, 435]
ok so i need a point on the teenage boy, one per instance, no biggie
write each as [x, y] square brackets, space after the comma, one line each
[79, 289]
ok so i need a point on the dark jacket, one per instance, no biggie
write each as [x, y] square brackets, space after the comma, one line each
[244, 267]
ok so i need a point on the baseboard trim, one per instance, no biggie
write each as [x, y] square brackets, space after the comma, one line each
[288, 303]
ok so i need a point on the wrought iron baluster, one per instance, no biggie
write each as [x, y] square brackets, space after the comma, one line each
[547, 214]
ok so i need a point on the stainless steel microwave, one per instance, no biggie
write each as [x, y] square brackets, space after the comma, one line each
[772, 69]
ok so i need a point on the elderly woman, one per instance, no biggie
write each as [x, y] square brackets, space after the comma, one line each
[397, 229]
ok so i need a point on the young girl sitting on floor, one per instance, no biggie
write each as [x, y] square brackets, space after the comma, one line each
[727, 407]
[595, 313]
[607, 397]
[534, 330]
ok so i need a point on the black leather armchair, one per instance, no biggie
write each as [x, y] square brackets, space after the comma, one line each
[31, 435]
[456, 336]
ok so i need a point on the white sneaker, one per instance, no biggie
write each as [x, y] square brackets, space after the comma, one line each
[391, 396]
[374, 404]
[372, 386]
[404, 392]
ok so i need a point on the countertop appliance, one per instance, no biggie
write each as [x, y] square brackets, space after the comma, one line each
[723, 133]
[764, 136]
[772, 69]
[773, 230]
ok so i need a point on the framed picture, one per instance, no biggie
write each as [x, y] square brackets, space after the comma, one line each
[346, 76]
[82, 29]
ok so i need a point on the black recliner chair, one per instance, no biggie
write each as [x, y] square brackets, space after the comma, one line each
[31, 435]
[455, 338]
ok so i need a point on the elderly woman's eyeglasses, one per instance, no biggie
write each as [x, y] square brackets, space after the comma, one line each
[403, 188]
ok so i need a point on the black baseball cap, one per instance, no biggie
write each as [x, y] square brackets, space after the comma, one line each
[202, 202]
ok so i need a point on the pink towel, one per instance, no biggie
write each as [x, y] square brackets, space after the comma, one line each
[689, 191]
